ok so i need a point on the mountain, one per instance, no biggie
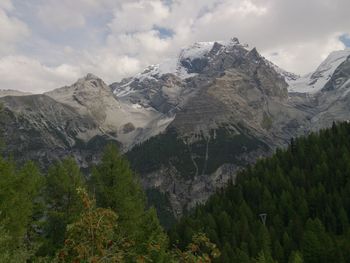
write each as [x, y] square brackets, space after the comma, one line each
[186, 125]
[9, 92]
[126, 122]
[325, 91]
[36, 127]
[231, 107]
[317, 80]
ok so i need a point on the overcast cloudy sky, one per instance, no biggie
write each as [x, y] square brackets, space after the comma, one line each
[45, 44]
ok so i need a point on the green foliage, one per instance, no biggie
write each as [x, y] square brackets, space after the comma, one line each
[199, 250]
[9, 253]
[152, 242]
[116, 187]
[63, 204]
[70, 225]
[96, 237]
[317, 246]
[295, 257]
[163, 149]
[224, 145]
[2, 117]
[264, 258]
[93, 237]
[162, 204]
[19, 188]
[304, 190]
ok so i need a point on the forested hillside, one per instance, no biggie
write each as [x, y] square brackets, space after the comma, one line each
[304, 191]
[62, 216]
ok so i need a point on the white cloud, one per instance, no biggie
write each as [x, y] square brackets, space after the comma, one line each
[6, 5]
[293, 29]
[138, 16]
[26, 74]
[304, 56]
[67, 14]
[111, 66]
[61, 14]
[117, 39]
[12, 30]
[140, 44]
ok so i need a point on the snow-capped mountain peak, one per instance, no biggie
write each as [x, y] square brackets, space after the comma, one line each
[169, 66]
[201, 49]
[182, 65]
[317, 80]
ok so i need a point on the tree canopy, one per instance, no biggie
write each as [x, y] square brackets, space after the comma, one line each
[304, 192]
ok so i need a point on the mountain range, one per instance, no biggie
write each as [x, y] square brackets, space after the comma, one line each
[186, 125]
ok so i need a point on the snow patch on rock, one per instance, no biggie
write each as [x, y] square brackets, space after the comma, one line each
[314, 82]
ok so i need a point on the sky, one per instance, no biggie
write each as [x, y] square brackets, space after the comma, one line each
[46, 44]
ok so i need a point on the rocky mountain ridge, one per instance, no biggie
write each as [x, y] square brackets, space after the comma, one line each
[186, 125]
[126, 122]
[9, 92]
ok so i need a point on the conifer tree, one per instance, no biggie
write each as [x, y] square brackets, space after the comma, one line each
[62, 201]
[115, 186]
[305, 191]
[18, 189]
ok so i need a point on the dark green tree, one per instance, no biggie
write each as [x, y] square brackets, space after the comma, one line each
[63, 204]
[116, 187]
[305, 192]
[19, 189]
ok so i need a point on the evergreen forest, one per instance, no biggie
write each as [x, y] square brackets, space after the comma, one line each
[292, 207]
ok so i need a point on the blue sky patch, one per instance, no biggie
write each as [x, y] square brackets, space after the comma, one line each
[164, 32]
[345, 39]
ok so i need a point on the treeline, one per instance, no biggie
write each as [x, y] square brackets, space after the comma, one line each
[304, 191]
[62, 216]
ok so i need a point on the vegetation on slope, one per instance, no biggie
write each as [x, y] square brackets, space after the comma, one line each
[56, 219]
[223, 146]
[304, 192]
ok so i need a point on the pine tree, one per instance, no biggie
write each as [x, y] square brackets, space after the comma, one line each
[295, 257]
[316, 245]
[153, 240]
[18, 190]
[305, 191]
[94, 236]
[116, 187]
[62, 201]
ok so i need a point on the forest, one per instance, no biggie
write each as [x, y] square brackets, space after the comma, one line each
[64, 216]
[292, 207]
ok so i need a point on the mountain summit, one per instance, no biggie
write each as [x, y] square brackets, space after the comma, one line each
[188, 124]
[323, 75]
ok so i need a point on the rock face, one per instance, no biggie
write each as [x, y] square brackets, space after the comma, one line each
[187, 125]
[9, 92]
[125, 121]
[39, 128]
[324, 94]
